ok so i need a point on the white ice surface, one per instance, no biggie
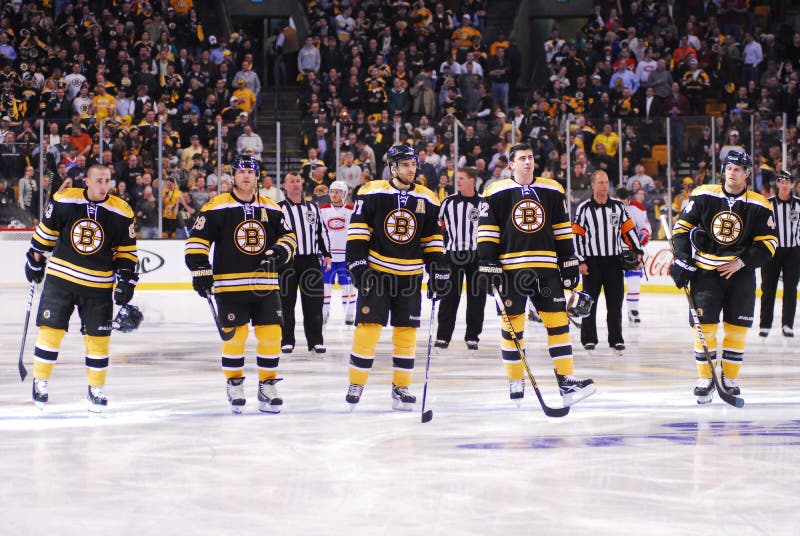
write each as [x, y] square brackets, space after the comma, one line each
[167, 457]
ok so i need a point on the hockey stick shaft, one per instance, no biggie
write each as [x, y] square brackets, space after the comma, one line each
[224, 335]
[23, 372]
[426, 416]
[723, 393]
[550, 412]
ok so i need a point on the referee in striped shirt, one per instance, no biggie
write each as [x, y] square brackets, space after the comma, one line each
[313, 248]
[601, 224]
[458, 216]
[786, 210]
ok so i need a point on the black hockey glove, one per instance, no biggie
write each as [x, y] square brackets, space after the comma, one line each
[126, 282]
[682, 270]
[490, 274]
[203, 279]
[358, 271]
[438, 281]
[570, 274]
[34, 270]
[276, 258]
[629, 260]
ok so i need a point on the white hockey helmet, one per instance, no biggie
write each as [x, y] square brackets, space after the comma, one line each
[340, 186]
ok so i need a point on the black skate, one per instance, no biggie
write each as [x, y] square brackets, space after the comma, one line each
[354, 395]
[235, 391]
[440, 346]
[574, 390]
[516, 391]
[40, 396]
[619, 348]
[97, 399]
[787, 331]
[731, 386]
[268, 399]
[402, 399]
[633, 318]
[704, 390]
[472, 346]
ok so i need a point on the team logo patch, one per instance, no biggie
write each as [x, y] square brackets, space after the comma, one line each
[365, 310]
[400, 226]
[320, 190]
[336, 224]
[46, 313]
[311, 217]
[231, 316]
[473, 214]
[615, 219]
[528, 216]
[794, 216]
[509, 303]
[726, 228]
[250, 237]
[87, 236]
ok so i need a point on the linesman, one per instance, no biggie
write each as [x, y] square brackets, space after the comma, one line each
[458, 217]
[786, 208]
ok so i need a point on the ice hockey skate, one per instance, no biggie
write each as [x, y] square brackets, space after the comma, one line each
[96, 398]
[40, 396]
[354, 395]
[472, 346]
[731, 386]
[402, 399]
[236, 398]
[589, 347]
[318, 350]
[287, 349]
[619, 348]
[574, 390]
[440, 347]
[763, 332]
[704, 390]
[268, 399]
[788, 331]
[516, 391]
[633, 318]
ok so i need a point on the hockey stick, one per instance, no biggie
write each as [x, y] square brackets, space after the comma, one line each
[723, 393]
[23, 372]
[550, 412]
[224, 335]
[426, 416]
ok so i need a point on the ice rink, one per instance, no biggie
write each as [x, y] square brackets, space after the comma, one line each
[168, 457]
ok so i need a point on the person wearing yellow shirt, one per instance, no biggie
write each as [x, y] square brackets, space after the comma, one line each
[171, 196]
[609, 139]
[105, 105]
[247, 99]
[188, 152]
[682, 198]
[462, 37]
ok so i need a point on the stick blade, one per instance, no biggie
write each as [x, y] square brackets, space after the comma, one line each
[732, 400]
[427, 416]
[555, 412]
[23, 372]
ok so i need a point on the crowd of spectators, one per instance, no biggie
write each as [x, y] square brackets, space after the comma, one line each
[100, 77]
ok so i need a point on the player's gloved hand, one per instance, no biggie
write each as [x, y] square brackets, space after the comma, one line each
[126, 282]
[569, 271]
[438, 281]
[203, 279]
[358, 271]
[275, 258]
[682, 270]
[644, 237]
[34, 270]
[490, 274]
[630, 260]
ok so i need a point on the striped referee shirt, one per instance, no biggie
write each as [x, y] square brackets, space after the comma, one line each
[787, 218]
[458, 216]
[305, 220]
[600, 229]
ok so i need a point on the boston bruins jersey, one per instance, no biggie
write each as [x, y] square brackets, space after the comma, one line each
[241, 233]
[89, 241]
[737, 226]
[524, 226]
[396, 231]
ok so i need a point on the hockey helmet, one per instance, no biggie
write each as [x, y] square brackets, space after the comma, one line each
[339, 186]
[784, 175]
[579, 304]
[397, 153]
[128, 318]
[740, 158]
[245, 162]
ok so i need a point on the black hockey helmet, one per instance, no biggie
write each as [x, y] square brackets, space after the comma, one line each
[579, 304]
[245, 162]
[784, 175]
[397, 153]
[740, 158]
[128, 318]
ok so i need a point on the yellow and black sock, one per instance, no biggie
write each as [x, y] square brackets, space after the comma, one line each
[508, 349]
[558, 341]
[710, 334]
[48, 343]
[362, 355]
[403, 352]
[233, 354]
[733, 349]
[268, 351]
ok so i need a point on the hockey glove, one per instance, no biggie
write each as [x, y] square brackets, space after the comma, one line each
[275, 258]
[34, 270]
[570, 273]
[629, 260]
[490, 274]
[682, 271]
[203, 279]
[438, 282]
[358, 271]
[126, 282]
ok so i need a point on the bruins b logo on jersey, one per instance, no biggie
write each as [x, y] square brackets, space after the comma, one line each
[87, 236]
[528, 216]
[726, 228]
[400, 226]
[250, 237]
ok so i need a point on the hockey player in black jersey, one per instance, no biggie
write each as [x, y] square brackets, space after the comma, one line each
[525, 247]
[722, 235]
[394, 233]
[251, 242]
[93, 242]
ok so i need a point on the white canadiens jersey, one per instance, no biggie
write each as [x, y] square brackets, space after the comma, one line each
[336, 221]
[638, 214]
